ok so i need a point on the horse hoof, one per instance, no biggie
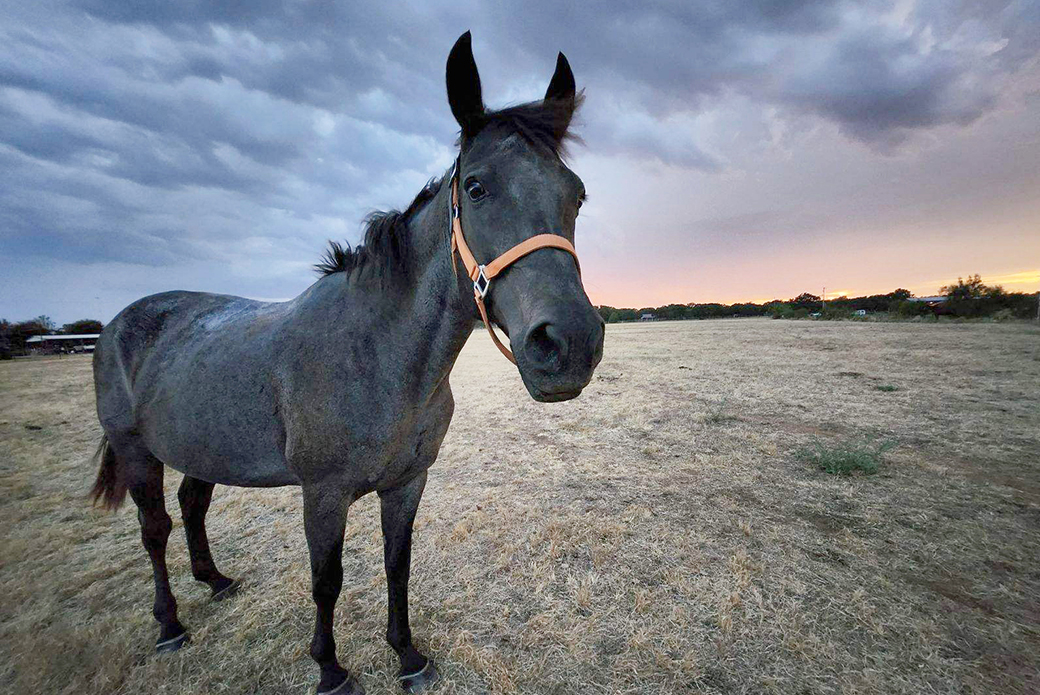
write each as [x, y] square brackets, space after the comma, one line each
[172, 644]
[228, 591]
[347, 687]
[418, 682]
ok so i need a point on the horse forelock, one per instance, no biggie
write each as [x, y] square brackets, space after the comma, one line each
[537, 122]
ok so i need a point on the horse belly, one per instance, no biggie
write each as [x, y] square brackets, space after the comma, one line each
[218, 432]
[223, 461]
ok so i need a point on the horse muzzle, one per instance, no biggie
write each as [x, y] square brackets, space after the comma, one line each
[556, 357]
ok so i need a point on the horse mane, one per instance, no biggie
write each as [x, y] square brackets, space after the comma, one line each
[384, 251]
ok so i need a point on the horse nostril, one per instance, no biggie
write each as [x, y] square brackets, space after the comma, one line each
[546, 346]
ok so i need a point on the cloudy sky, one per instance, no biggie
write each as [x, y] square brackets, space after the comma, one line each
[733, 150]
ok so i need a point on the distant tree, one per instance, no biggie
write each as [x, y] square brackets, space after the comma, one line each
[807, 301]
[626, 315]
[5, 340]
[671, 312]
[45, 322]
[841, 303]
[972, 288]
[908, 309]
[18, 333]
[965, 297]
[901, 295]
[971, 297]
[82, 326]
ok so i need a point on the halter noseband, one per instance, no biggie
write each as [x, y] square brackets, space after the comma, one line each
[482, 275]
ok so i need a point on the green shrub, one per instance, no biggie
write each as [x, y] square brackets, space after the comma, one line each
[887, 388]
[836, 313]
[845, 458]
[1004, 315]
[908, 309]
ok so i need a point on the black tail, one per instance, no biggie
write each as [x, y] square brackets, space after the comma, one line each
[109, 488]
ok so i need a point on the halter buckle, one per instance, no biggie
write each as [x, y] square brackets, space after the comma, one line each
[482, 284]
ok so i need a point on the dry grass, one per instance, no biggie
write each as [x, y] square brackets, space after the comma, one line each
[657, 535]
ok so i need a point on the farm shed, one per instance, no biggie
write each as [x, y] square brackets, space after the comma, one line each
[82, 342]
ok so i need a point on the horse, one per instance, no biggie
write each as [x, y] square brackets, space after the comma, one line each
[344, 390]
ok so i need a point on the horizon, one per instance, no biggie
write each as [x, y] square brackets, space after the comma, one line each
[731, 153]
[1007, 282]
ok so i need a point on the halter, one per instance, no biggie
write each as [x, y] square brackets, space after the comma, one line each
[482, 275]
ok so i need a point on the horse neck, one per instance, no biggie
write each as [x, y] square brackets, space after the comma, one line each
[431, 314]
[419, 324]
[441, 311]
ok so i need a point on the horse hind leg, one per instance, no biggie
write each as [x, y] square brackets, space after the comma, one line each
[194, 496]
[143, 475]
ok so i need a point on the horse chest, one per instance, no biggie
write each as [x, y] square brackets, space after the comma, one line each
[373, 448]
[417, 444]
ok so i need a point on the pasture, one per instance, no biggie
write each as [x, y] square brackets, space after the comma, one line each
[661, 534]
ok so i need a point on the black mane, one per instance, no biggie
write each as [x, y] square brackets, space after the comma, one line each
[384, 250]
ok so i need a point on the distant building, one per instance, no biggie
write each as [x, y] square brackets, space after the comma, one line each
[647, 317]
[82, 342]
[861, 312]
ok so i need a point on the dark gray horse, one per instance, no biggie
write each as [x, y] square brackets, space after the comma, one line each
[344, 390]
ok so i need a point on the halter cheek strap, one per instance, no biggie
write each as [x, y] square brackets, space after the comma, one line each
[482, 275]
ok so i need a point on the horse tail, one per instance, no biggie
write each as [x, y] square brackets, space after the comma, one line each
[109, 488]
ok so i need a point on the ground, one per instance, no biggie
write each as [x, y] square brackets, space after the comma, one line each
[660, 534]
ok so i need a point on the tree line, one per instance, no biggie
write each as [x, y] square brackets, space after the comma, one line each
[13, 336]
[970, 298]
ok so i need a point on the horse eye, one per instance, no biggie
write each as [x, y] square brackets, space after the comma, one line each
[475, 189]
[580, 201]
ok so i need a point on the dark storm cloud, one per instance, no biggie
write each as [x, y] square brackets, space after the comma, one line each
[160, 132]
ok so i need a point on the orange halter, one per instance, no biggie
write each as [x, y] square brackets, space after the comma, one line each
[482, 275]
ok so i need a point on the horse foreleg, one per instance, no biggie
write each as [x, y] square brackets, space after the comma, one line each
[194, 496]
[397, 507]
[324, 519]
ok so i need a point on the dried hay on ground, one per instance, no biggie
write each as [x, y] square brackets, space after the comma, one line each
[657, 535]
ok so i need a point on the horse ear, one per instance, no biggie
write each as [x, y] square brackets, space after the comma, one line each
[467, 104]
[561, 87]
[560, 96]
